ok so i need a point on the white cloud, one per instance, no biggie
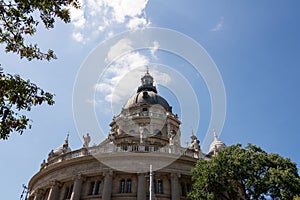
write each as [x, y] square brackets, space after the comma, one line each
[103, 16]
[219, 25]
[115, 51]
[161, 78]
[154, 48]
[78, 19]
[77, 37]
[125, 71]
[137, 22]
[103, 87]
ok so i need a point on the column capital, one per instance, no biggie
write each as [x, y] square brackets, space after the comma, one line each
[108, 173]
[142, 174]
[77, 177]
[55, 183]
[39, 191]
[175, 175]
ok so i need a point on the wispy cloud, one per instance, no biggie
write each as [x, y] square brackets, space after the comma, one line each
[102, 16]
[154, 49]
[124, 73]
[219, 25]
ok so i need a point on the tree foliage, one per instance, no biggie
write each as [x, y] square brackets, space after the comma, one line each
[19, 20]
[245, 173]
[16, 95]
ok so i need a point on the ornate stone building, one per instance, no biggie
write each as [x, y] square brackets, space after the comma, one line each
[145, 133]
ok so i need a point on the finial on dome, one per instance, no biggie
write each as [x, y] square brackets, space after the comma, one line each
[215, 134]
[147, 69]
[67, 138]
[193, 137]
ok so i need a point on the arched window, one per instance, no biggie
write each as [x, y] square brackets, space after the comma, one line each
[122, 186]
[157, 132]
[128, 186]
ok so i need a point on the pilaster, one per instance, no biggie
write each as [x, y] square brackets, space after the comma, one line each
[141, 188]
[108, 177]
[77, 188]
[54, 190]
[175, 189]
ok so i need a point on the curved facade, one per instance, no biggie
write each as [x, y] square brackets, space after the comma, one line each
[145, 133]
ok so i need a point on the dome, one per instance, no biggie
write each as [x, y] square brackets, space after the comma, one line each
[216, 145]
[61, 149]
[149, 97]
[147, 93]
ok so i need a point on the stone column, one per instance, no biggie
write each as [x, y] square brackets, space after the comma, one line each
[141, 188]
[175, 189]
[38, 194]
[108, 177]
[76, 188]
[54, 191]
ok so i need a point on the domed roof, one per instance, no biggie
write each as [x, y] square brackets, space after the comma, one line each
[216, 145]
[147, 93]
[149, 97]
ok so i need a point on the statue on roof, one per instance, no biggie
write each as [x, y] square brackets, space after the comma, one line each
[66, 143]
[171, 136]
[86, 140]
[111, 137]
[195, 143]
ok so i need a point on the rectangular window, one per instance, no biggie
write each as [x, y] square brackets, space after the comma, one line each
[66, 193]
[183, 190]
[128, 186]
[92, 186]
[160, 187]
[122, 186]
[70, 192]
[98, 188]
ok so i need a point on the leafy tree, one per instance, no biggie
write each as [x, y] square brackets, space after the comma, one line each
[18, 20]
[245, 173]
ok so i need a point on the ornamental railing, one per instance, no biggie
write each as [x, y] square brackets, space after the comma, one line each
[111, 148]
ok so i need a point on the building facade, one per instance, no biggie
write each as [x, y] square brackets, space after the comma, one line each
[146, 132]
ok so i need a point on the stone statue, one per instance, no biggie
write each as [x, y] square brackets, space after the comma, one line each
[195, 143]
[142, 131]
[171, 136]
[66, 143]
[51, 154]
[43, 164]
[111, 137]
[87, 140]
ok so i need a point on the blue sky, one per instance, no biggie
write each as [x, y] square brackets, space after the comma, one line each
[254, 44]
